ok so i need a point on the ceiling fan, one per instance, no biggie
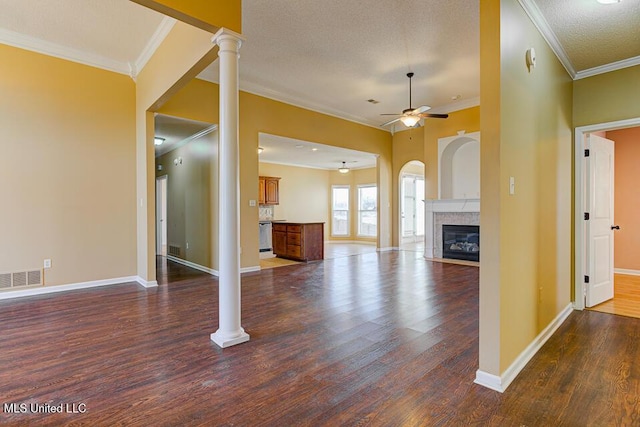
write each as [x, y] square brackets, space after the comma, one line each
[411, 116]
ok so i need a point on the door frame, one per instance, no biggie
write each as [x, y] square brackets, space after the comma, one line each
[159, 206]
[579, 261]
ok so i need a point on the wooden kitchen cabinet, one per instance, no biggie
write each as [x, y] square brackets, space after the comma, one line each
[269, 190]
[299, 241]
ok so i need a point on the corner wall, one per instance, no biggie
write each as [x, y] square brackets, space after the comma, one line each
[68, 175]
[526, 126]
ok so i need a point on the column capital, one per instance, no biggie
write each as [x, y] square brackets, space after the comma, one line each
[226, 34]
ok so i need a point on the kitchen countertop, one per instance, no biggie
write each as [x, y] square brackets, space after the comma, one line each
[264, 221]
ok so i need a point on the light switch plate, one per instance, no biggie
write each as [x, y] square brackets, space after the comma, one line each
[512, 185]
[47, 263]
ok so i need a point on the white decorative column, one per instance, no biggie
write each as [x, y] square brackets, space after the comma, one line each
[229, 331]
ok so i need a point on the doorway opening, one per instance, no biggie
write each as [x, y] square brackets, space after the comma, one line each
[602, 265]
[161, 215]
[412, 207]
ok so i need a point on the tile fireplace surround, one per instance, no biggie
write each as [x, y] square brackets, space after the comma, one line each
[451, 211]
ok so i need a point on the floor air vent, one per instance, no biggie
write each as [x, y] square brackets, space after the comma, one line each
[19, 279]
[174, 250]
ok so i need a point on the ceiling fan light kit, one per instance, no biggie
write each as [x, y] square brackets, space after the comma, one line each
[411, 116]
[343, 168]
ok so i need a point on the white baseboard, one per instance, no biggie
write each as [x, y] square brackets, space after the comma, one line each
[147, 283]
[626, 271]
[352, 242]
[210, 270]
[387, 249]
[194, 265]
[68, 287]
[500, 383]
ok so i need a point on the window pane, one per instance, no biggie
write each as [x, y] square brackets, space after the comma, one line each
[368, 197]
[340, 211]
[368, 223]
[367, 210]
[340, 223]
[341, 198]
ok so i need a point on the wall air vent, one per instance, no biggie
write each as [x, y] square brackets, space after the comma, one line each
[174, 250]
[20, 279]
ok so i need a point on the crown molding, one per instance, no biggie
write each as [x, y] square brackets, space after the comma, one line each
[154, 42]
[457, 106]
[531, 9]
[53, 49]
[618, 65]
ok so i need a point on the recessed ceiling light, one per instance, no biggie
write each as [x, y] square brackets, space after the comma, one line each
[373, 101]
[158, 141]
[314, 149]
[299, 146]
[608, 1]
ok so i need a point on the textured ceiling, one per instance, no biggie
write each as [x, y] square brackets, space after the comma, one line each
[594, 34]
[333, 55]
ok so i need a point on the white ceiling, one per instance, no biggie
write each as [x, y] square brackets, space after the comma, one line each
[294, 152]
[333, 55]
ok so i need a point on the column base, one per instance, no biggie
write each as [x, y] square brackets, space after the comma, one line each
[226, 341]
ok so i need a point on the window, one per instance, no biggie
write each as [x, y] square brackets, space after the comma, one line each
[340, 210]
[367, 210]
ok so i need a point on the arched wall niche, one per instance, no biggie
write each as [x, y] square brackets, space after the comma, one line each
[459, 167]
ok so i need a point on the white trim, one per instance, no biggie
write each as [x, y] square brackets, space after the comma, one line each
[152, 45]
[211, 271]
[627, 272]
[353, 242]
[59, 51]
[387, 249]
[578, 202]
[147, 283]
[69, 287]
[456, 106]
[547, 33]
[614, 66]
[500, 383]
[194, 265]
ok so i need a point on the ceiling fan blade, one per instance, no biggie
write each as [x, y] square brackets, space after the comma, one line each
[390, 121]
[434, 116]
[421, 109]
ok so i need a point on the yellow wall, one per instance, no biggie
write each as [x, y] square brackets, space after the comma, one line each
[304, 193]
[607, 97]
[526, 129]
[198, 101]
[208, 15]
[68, 175]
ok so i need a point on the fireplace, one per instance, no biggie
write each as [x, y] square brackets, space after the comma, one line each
[461, 242]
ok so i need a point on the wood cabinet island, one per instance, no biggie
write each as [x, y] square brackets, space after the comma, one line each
[300, 241]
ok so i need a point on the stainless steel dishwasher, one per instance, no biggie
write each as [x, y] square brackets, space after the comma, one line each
[265, 236]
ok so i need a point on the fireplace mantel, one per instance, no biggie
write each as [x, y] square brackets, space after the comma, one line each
[451, 211]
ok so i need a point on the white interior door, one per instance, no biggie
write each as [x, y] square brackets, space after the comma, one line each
[408, 206]
[599, 228]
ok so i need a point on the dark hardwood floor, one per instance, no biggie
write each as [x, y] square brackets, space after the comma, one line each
[377, 339]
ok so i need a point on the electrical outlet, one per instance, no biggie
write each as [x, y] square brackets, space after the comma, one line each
[512, 185]
[47, 263]
[252, 202]
[187, 245]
